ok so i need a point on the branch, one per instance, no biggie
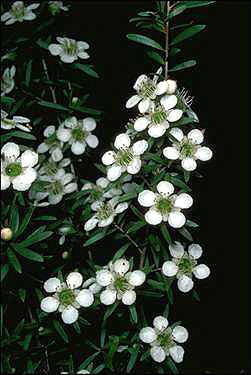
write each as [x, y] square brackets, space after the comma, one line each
[142, 252]
[47, 76]
[167, 41]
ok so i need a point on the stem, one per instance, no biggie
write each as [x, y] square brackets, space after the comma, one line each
[167, 41]
[142, 252]
[47, 76]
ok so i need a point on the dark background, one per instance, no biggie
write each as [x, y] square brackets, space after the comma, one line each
[219, 325]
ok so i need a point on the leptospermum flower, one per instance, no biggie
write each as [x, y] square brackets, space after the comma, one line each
[164, 205]
[188, 148]
[78, 134]
[56, 6]
[119, 283]
[67, 298]
[163, 339]
[159, 116]
[98, 193]
[184, 265]
[15, 122]
[18, 12]
[127, 158]
[7, 81]
[105, 213]
[51, 144]
[147, 90]
[69, 50]
[15, 169]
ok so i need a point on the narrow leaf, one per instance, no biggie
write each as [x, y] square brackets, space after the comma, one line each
[27, 253]
[87, 69]
[14, 261]
[155, 56]
[144, 40]
[171, 365]
[133, 358]
[45, 218]
[28, 73]
[88, 110]
[184, 65]
[133, 313]
[192, 224]
[121, 252]
[25, 221]
[184, 232]
[60, 330]
[4, 271]
[110, 310]
[36, 236]
[174, 51]
[95, 238]
[176, 11]
[165, 233]
[23, 135]
[53, 105]
[195, 4]
[188, 33]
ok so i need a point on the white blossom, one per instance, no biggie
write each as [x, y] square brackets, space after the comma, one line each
[69, 50]
[7, 81]
[18, 12]
[158, 117]
[184, 265]
[164, 205]
[119, 282]
[147, 90]
[15, 122]
[17, 169]
[67, 297]
[78, 134]
[163, 340]
[51, 144]
[187, 148]
[56, 6]
[127, 158]
[105, 213]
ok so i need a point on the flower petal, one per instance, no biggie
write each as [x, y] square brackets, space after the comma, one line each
[176, 219]
[49, 304]
[114, 172]
[108, 158]
[176, 249]
[74, 280]
[185, 284]
[153, 217]
[70, 315]
[108, 297]
[90, 224]
[160, 322]
[171, 153]
[174, 115]
[89, 124]
[122, 141]
[85, 298]
[5, 182]
[55, 49]
[55, 198]
[177, 353]
[165, 188]
[189, 164]
[52, 284]
[201, 271]
[147, 335]
[146, 198]
[66, 58]
[144, 105]
[183, 200]
[121, 207]
[106, 222]
[180, 334]
[92, 141]
[29, 158]
[42, 148]
[102, 182]
[169, 268]
[157, 130]
[139, 147]
[129, 297]
[196, 136]
[203, 153]
[134, 166]
[161, 87]
[177, 133]
[195, 250]
[168, 101]
[158, 354]
[78, 148]
[141, 123]
[63, 134]
[10, 150]
[131, 102]
[137, 278]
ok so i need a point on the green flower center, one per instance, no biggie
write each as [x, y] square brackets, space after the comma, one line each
[187, 149]
[70, 47]
[66, 297]
[165, 339]
[105, 211]
[124, 157]
[52, 140]
[96, 194]
[186, 264]
[13, 169]
[159, 116]
[51, 168]
[56, 187]
[121, 284]
[147, 90]
[164, 205]
[78, 134]
[18, 10]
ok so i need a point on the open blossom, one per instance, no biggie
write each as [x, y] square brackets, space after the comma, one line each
[119, 283]
[7, 81]
[67, 297]
[147, 90]
[187, 148]
[17, 169]
[69, 50]
[18, 12]
[127, 158]
[164, 205]
[158, 117]
[78, 134]
[184, 265]
[163, 339]
[105, 213]
[56, 6]
[51, 144]
[15, 122]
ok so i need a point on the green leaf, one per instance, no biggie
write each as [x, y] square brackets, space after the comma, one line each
[87, 361]
[60, 330]
[25, 222]
[102, 337]
[192, 224]
[188, 33]
[196, 296]
[194, 4]
[110, 310]
[113, 346]
[133, 313]
[87, 69]
[26, 341]
[184, 232]
[28, 73]
[77, 328]
[95, 238]
[136, 212]
[174, 51]
[36, 236]
[88, 110]
[27, 253]
[187, 175]
[4, 271]
[165, 233]
[14, 261]
[53, 105]
[175, 181]
[135, 227]
[98, 369]
[184, 65]
[45, 218]
[22, 294]
[23, 135]
[171, 365]
[144, 40]
[156, 57]
[156, 285]
[7, 100]
[14, 219]
[17, 105]
[133, 358]
[176, 11]
[121, 252]
[128, 196]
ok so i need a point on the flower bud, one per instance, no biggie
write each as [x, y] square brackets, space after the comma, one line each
[74, 100]
[172, 86]
[65, 255]
[6, 234]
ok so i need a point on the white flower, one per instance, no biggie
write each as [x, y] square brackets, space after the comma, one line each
[147, 90]
[119, 283]
[16, 122]
[184, 265]
[105, 213]
[69, 50]
[56, 6]
[56, 186]
[127, 158]
[78, 134]
[159, 116]
[187, 148]
[164, 205]
[15, 169]
[7, 81]
[67, 298]
[18, 12]
[51, 144]
[163, 340]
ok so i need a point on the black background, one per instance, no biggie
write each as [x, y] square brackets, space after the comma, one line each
[218, 325]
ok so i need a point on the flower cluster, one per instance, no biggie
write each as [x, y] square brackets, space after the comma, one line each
[184, 265]
[163, 338]
[69, 50]
[67, 297]
[15, 122]
[119, 283]
[18, 12]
